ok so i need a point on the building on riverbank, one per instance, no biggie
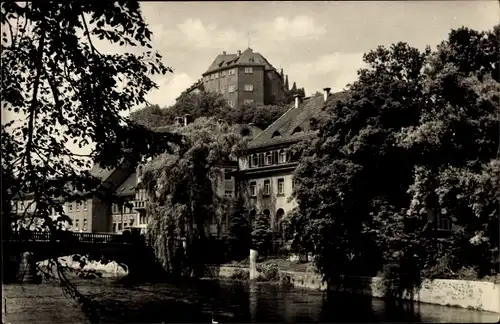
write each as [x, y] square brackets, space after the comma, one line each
[88, 211]
[266, 171]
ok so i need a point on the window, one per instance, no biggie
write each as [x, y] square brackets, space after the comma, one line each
[119, 226]
[223, 74]
[228, 193]
[261, 159]
[132, 222]
[269, 159]
[249, 70]
[125, 225]
[248, 101]
[85, 207]
[216, 75]
[281, 186]
[253, 189]
[282, 157]
[231, 103]
[85, 224]
[443, 223]
[70, 207]
[114, 227]
[227, 175]
[297, 130]
[142, 218]
[255, 160]
[267, 187]
[248, 87]
[279, 217]
[231, 88]
[231, 72]
[77, 224]
[275, 157]
[77, 205]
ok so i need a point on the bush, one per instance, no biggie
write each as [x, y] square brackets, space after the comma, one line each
[270, 272]
[240, 275]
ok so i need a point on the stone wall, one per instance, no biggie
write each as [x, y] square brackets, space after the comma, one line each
[479, 295]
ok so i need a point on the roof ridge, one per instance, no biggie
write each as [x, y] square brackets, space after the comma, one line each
[286, 112]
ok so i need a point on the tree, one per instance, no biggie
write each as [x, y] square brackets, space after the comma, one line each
[151, 117]
[66, 90]
[238, 239]
[262, 234]
[412, 136]
[183, 187]
[208, 104]
[456, 148]
[261, 115]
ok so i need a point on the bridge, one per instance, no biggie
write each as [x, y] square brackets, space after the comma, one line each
[122, 248]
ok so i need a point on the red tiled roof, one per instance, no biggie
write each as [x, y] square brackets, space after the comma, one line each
[295, 123]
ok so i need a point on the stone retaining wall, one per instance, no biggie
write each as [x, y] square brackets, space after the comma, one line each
[479, 295]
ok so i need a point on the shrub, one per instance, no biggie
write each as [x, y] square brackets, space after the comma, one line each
[270, 272]
[240, 275]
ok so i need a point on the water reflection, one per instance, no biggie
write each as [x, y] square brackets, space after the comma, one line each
[232, 302]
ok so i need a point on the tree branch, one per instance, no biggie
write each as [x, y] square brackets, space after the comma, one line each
[94, 50]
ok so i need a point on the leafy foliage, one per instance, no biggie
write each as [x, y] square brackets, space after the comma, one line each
[413, 139]
[184, 188]
[208, 104]
[64, 90]
[262, 234]
[238, 239]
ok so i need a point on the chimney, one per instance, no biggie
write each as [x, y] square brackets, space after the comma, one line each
[298, 100]
[326, 93]
[187, 119]
[224, 53]
[239, 53]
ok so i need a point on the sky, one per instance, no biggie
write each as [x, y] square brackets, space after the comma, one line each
[318, 44]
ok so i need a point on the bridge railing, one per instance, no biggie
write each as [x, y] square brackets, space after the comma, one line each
[65, 235]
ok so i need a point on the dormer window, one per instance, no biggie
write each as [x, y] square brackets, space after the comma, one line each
[255, 159]
[282, 157]
[297, 130]
[269, 159]
[276, 134]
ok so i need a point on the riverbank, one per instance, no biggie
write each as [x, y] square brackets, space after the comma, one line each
[44, 303]
[469, 294]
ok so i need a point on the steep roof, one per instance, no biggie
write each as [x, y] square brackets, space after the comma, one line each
[101, 173]
[247, 57]
[295, 123]
[252, 129]
[127, 188]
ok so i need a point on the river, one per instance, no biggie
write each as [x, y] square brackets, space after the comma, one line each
[236, 302]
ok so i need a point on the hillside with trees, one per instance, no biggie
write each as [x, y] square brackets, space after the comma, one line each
[207, 104]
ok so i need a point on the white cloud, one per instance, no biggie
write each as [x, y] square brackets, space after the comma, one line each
[207, 36]
[299, 27]
[169, 88]
[335, 70]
